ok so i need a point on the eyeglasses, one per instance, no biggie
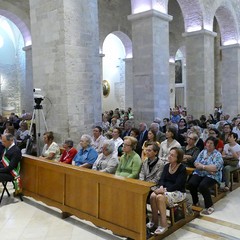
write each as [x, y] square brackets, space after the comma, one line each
[128, 145]
[149, 150]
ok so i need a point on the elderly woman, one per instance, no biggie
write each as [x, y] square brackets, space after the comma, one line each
[171, 189]
[68, 153]
[22, 135]
[107, 161]
[51, 149]
[209, 164]
[130, 162]
[168, 144]
[152, 167]
[87, 155]
[190, 151]
[198, 131]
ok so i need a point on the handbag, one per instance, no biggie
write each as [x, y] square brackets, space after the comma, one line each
[231, 161]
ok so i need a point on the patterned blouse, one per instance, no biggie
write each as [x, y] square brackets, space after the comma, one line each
[215, 158]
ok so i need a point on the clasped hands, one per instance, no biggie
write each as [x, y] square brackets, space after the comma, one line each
[160, 190]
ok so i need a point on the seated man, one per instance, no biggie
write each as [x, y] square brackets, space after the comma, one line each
[87, 155]
[68, 153]
[107, 161]
[10, 164]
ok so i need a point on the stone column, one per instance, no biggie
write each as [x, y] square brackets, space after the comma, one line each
[66, 64]
[150, 34]
[172, 84]
[128, 82]
[27, 86]
[231, 79]
[200, 72]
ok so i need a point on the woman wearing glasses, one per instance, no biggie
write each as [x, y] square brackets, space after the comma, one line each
[130, 162]
[190, 151]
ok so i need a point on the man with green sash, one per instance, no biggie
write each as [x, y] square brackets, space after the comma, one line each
[10, 163]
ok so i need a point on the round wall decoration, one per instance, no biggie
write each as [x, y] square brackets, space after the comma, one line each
[105, 88]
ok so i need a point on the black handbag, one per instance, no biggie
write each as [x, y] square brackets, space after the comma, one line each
[231, 161]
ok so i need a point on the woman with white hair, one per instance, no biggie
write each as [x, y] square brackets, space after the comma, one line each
[107, 161]
[87, 155]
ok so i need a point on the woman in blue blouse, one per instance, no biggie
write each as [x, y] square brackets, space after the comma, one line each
[209, 164]
[87, 155]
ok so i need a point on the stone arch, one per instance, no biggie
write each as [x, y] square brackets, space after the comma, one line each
[192, 14]
[226, 19]
[127, 43]
[19, 18]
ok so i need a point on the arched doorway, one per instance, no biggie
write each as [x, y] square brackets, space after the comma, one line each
[12, 67]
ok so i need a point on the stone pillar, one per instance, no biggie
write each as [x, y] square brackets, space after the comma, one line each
[66, 64]
[128, 82]
[101, 56]
[150, 34]
[172, 84]
[231, 79]
[200, 72]
[27, 86]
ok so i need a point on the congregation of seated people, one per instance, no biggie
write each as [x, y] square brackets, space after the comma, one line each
[158, 152]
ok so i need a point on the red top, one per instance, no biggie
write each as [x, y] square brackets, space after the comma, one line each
[219, 146]
[67, 157]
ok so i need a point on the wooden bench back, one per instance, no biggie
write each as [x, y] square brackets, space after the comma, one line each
[106, 200]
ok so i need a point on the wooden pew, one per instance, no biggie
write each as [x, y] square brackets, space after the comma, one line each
[217, 195]
[108, 201]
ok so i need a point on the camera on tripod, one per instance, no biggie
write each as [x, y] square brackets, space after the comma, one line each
[38, 97]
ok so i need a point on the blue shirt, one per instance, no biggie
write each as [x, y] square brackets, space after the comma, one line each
[215, 158]
[88, 155]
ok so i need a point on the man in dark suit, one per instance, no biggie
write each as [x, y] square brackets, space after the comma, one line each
[159, 135]
[10, 163]
[143, 133]
[127, 128]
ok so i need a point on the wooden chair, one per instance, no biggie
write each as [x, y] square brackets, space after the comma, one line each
[182, 206]
[234, 173]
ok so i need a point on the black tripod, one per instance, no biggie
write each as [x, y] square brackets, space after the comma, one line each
[38, 110]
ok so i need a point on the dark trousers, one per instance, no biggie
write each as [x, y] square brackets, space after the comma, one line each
[201, 184]
[6, 177]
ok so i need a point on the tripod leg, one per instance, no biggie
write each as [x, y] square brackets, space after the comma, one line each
[30, 129]
[44, 120]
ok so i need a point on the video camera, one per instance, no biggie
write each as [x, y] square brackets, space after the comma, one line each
[38, 97]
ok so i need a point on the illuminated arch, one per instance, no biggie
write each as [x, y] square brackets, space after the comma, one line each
[19, 18]
[126, 41]
[227, 21]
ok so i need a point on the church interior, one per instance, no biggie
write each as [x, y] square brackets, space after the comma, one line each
[84, 58]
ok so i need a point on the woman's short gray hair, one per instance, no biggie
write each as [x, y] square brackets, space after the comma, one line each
[110, 146]
[88, 138]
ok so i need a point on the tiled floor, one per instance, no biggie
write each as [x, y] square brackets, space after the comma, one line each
[31, 220]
